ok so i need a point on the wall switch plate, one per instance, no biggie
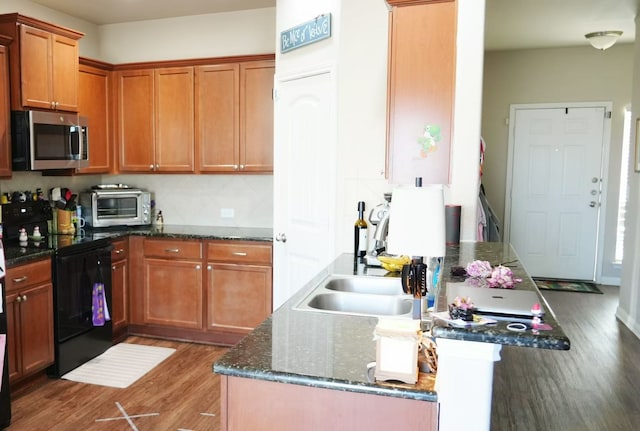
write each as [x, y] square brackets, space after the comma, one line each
[227, 212]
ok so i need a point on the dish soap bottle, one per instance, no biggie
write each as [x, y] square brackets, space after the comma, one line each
[360, 234]
[159, 219]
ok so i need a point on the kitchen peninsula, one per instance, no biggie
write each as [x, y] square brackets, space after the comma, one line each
[308, 370]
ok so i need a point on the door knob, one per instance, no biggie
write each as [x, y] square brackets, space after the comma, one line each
[281, 237]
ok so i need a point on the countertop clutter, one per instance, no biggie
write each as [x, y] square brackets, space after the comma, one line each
[332, 351]
[16, 255]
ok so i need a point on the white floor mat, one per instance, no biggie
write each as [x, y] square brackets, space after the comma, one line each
[120, 366]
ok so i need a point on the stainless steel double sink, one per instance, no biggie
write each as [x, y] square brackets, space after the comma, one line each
[358, 295]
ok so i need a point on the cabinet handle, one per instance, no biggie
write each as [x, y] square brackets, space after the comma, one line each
[118, 251]
[113, 268]
[209, 267]
[198, 266]
[24, 298]
[239, 253]
[20, 279]
[235, 167]
[241, 167]
[18, 298]
[151, 167]
[172, 250]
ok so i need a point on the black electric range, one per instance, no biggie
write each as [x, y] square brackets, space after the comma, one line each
[81, 269]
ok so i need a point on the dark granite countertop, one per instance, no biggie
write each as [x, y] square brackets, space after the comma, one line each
[16, 255]
[332, 351]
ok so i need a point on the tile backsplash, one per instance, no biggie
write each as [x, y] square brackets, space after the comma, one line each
[200, 200]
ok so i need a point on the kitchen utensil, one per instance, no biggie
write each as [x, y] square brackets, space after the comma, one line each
[55, 194]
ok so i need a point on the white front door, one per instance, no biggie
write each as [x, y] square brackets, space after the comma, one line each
[304, 180]
[556, 190]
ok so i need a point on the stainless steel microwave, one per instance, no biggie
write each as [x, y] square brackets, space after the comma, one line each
[42, 140]
[116, 207]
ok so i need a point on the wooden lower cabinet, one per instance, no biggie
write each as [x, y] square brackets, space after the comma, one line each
[239, 296]
[289, 407]
[239, 285]
[119, 288]
[171, 295]
[29, 318]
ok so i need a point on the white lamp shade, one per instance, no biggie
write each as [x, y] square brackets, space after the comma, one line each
[603, 39]
[417, 222]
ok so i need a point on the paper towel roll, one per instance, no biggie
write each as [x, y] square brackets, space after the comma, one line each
[417, 221]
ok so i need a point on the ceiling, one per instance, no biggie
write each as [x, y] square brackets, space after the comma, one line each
[510, 24]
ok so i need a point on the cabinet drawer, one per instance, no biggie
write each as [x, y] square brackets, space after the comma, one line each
[29, 274]
[173, 249]
[120, 250]
[239, 251]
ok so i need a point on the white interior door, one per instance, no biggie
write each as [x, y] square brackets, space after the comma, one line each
[304, 180]
[556, 190]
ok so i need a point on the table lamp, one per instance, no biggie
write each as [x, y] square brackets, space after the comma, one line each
[417, 229]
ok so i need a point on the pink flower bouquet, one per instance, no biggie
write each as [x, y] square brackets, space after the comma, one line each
[482, 274]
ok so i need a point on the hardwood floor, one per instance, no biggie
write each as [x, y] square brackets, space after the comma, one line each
[182, 393]
[595, 386]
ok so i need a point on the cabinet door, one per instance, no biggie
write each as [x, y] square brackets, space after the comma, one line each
[119, 294]
[238, 296]
[36, 327]
[64, 73]
[421, 85]
[174, 119]
[173, 293]
[93, 102]
[256, 116]
[5, 144]
[35, 59]
[135, 120]
[13, 336]
[217, 118]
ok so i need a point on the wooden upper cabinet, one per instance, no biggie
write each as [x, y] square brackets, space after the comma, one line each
[94, 102]
[234, 117]
[256, 116]
[155, 120]
[218, 118]
[43, 62]
[174, 119]
[421, 90]
[5, 134]
[135, 120]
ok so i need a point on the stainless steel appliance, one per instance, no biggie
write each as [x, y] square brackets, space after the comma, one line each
[48, 140]
[79, 263]
[116, 205]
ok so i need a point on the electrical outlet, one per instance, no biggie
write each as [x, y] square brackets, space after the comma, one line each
[227, 212]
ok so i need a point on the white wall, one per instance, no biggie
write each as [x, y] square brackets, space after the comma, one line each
[89, 46]
[209, 35]
[580, 74]
[629, 306]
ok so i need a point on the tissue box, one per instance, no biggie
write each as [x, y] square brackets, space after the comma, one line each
[397, 342]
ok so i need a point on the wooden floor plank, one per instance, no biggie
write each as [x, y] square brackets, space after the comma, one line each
[595, 386]
[182, 389]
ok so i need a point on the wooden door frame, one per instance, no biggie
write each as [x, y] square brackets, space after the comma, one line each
[604, 170]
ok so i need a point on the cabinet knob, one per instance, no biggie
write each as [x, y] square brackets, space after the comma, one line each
[151, 167]
[20, 279]
[198, 267]
[113, 267]
[281, 237]
[241, 167]
[18, 298]
[24, 298]
[118, 251]
[209, 267]
[235, 166]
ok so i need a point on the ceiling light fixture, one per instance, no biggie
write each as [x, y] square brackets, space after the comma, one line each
[603, 39]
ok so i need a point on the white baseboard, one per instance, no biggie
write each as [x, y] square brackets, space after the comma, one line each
[625, 318]
[609, 281]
